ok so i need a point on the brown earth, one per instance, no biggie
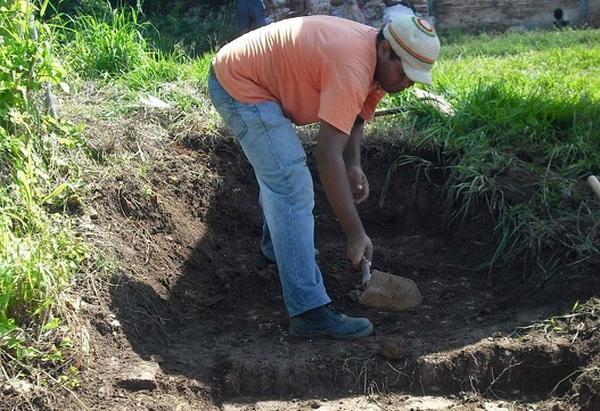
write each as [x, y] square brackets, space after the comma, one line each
[186, 303]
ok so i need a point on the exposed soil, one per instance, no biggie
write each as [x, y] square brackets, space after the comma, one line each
[188, 296]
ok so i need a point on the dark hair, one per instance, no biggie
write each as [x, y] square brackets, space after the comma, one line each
[380, 38]
[558, 14]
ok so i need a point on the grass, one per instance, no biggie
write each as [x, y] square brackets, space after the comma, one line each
[112, 49]
[109, 45]
[196, 30]
[512, 44]
[522, 140]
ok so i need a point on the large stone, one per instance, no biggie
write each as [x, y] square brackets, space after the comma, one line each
[139, 376]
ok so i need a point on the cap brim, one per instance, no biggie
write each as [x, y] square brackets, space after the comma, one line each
[417, 75]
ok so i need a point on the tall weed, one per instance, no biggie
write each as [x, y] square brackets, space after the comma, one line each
[112, 44]
[38, 251]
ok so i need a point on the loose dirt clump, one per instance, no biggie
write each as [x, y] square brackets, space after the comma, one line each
[187, 293]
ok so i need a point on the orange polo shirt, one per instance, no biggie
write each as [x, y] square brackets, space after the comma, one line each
[316, 67]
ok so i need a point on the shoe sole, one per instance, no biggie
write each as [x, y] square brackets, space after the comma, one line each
[304, 333]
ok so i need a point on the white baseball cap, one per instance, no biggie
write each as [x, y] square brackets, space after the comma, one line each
[415, 41]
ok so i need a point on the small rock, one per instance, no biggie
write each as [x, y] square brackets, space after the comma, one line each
[141, 376]
[18, 387]
[355, 295]
[93, 213]
[195, 385]
[74, 303]
[105, 391]
[392, 349]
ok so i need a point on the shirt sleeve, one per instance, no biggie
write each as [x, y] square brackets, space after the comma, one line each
[373, 99]
[343, 93]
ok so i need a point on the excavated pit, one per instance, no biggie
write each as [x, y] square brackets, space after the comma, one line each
[195, 302]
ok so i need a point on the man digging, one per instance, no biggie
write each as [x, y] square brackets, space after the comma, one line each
[306, 70]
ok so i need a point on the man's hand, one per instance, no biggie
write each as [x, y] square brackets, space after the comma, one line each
[359, 247]
[334, 173]
[358, 184]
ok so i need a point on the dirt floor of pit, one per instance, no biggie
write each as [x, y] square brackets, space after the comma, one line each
[189, 321]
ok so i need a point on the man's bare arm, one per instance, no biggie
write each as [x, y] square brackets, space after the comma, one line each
[352, 149]
[331, 144]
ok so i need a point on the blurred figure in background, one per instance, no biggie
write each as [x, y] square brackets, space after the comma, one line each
[395, 8]
[350, 9]
[559, 19]
[251, 15]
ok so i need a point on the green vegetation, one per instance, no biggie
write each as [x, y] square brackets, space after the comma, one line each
[522, 140]
[196, 30]
[41, 191]
[38, 251]
[113, 49]
[106, 46]
[512, 44]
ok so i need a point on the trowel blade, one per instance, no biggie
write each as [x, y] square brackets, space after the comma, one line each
[390, 292]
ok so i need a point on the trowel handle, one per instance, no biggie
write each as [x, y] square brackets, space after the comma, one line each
[365, 270]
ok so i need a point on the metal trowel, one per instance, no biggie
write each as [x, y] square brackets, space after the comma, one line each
[387, 292]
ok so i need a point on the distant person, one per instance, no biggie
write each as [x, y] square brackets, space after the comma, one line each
[395, 9]
[350, 9]
[251, 14]
[559, 19]
[303, 70]
[391, 3]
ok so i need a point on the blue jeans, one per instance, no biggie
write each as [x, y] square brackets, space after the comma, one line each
[251, 14]
[273, 148]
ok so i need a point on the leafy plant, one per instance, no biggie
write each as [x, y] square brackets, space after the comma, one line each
[38, 251]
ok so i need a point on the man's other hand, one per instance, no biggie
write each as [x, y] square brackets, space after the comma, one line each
[358, 184]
